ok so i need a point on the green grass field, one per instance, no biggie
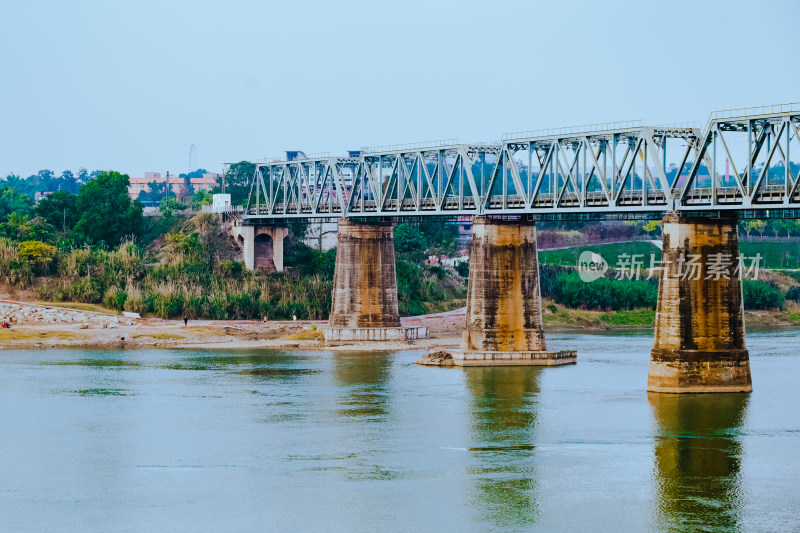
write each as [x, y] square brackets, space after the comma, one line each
[609, 252]
[773, 254]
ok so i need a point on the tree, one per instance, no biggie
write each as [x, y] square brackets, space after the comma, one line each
[237, 181]
[758, 225]
[299, 228]
[751, 225]
[68, 182]
[19, 227]
[201, 198]
[106, 211]
[652, 226]
[409, 243]
[155, 194]
[37, 253]
[37, 229]
[21, 185]
[14, 226]
[13, 201]
[784, 225]
[170, 205]
[440, 237]
[45, 180]
[187, 191]
[60, 209]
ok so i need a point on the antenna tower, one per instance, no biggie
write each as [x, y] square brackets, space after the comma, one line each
[192, 159]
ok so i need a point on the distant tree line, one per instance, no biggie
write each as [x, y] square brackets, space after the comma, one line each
[47, 181]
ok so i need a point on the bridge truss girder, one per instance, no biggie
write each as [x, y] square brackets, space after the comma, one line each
[613, 170]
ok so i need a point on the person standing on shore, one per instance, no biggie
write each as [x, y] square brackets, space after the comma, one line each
[185, 321]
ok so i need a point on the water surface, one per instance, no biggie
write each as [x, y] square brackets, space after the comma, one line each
[172, 440]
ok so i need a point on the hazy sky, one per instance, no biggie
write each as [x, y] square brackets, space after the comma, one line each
[131, 85]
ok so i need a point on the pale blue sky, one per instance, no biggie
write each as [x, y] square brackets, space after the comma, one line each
[131, 85]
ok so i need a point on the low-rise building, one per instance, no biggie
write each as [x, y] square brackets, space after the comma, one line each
[176, 185]
[38, 195]
[205, 183]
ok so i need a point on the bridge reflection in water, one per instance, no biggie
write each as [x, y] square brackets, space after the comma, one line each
[698, 455]
[502, 423]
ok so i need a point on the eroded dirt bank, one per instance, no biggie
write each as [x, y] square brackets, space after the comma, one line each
[42, 325]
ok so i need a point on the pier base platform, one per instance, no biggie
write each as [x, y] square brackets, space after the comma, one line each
[334, 334]
[490, 358]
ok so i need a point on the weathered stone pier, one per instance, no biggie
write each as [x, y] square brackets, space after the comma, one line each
[699, 330]
[365, 286]
[504, 307]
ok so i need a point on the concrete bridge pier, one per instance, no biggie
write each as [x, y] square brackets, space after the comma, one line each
[364, 306]
[504, 307]
[262, 246]
[699, 335]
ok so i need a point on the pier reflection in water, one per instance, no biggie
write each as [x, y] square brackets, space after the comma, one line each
[698, 455]
[361, 381]
[503, 422]
[294, 441]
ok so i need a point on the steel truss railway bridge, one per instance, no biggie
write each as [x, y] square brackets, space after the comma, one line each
[621, 167]
[608, 170]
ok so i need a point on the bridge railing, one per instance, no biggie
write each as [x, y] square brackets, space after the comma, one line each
[410, 146]
[569, 130]
[284, 159]
[744, 112]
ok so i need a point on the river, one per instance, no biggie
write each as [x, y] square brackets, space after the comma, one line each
[179, 440]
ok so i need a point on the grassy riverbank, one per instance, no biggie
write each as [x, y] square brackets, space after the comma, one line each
[563, 318]
[774, 254]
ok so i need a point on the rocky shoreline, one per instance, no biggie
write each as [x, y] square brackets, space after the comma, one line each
[23, 313]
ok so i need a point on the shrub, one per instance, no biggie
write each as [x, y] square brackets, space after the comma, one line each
[85, 290]
[195, 307]
[438, 271]
[134, 303]
[217, 307]
[20, 273]
[38, 254]
[761, 295]
[165, 301]
[115, 299]
[228, 269]
[569, 290]
[793, 294]
[8, 255]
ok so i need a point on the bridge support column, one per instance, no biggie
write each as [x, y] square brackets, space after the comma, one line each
[699, 335]
[262, 246]
[504, 307]
[364, 304]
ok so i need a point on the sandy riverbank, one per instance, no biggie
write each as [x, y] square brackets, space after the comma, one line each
[198, 336]
[37, 325]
